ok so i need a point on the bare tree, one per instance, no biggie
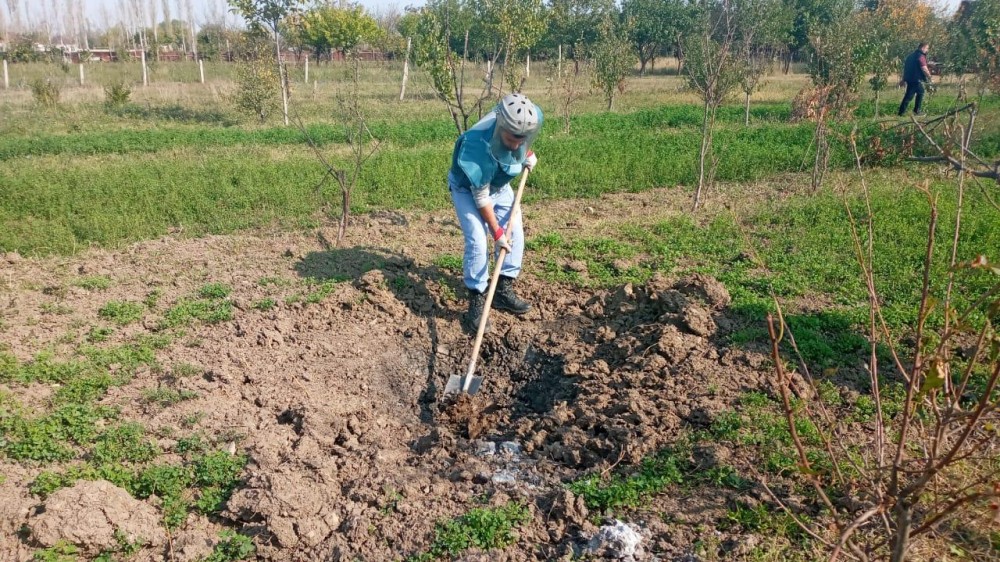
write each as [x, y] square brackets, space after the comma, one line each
[711, 65]
[933, 461]
[363, 145]
[950, 145]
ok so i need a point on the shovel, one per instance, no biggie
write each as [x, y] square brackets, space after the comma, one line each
[470, 383]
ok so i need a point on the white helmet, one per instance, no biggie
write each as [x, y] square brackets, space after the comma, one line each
[517, 115]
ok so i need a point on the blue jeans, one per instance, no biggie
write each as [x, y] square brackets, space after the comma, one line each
[475, 261]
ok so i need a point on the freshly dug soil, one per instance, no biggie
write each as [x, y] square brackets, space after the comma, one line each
[354, 451]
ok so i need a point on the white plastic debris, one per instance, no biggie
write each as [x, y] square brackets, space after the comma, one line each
[617, 541]
[503, 477]
[485, 448]
[511, 448]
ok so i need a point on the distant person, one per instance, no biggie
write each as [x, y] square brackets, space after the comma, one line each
[915, 73]
[486, 157]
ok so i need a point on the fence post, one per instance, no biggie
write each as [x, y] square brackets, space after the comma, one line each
[406, 69]
[81, 73]
[6, 77]
[201, 70]
[527, 66]
[145, 76]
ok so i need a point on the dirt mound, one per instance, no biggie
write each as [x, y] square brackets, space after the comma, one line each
[95, 516]
[337, 399]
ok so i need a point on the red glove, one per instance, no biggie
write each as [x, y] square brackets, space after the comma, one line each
[500, 237]
[530, 160]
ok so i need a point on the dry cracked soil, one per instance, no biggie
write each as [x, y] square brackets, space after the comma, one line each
[354, 452]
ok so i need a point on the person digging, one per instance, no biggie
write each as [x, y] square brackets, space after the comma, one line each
[486, 157]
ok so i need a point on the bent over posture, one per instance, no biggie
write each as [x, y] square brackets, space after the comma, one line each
[486, 157]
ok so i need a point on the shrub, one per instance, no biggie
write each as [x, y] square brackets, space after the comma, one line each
[257, 84]
[117, 94]
[45, 91]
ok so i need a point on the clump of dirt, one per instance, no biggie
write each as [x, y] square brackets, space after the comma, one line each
[336, 399]
[92, 516]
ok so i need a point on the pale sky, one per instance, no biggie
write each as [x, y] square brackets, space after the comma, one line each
[103, 12]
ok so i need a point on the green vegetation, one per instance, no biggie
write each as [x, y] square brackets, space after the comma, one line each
[94, 282]
[449, 262]
[264, 304]
[231, 546]
[202, 483]
[209, 306]
[121, 312]
[164, 396]
[653, 475]
[483, 528]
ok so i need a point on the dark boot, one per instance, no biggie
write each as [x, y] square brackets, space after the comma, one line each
[505, 299]
[477, 305]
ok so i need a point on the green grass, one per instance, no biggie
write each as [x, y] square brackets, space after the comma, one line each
[449, 262]
[94, 282]
[231, 546]
[207, 310]
[651, 477]
[163, 396]
[121, 312]
[482, 528]
[202, 483]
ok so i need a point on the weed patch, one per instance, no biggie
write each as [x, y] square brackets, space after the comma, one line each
[653, 475]
[231, 546]
[94, 282]
[164, 396]
[121, 312]
[481, 528]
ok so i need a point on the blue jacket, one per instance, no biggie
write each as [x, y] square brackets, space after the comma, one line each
[476, 165]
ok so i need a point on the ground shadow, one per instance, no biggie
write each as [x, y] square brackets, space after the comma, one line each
[173, 113]
[519, 376]
[408, 282]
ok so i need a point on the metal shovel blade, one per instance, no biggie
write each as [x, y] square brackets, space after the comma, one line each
[456, 382]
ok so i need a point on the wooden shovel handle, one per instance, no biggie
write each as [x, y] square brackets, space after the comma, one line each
[493, 287]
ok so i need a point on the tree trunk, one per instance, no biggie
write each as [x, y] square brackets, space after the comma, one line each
[706, 145]
[746, 116]
[904, 519]
[877, 92]
[345, 206]
[281, 74]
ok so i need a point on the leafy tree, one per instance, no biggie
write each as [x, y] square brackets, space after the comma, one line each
[510, 27]
[257, 82]
[432, 33]
[267, 15]
[876, 44]
[214, 39]
[985, 27]
[960, 47]
[712, 68]
[327, 27]
[762, 27]
[810, 16]
[656, 24]
[576, 24]
[454, 16]
[613, 59]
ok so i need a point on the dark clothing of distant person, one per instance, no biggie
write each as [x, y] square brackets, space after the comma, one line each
[913, 75]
